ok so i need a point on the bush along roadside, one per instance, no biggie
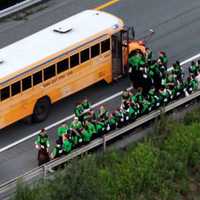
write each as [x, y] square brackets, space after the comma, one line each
[168, 169]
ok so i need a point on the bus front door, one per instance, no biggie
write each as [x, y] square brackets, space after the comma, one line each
[120, 54]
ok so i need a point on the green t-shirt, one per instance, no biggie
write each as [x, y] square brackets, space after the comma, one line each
[67, 146]
[61, 131]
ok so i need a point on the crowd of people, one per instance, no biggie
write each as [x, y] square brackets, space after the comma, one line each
[163, 86]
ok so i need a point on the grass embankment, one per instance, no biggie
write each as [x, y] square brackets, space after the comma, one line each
[165, 166]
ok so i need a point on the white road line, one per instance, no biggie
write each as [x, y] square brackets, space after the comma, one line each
[71, 116]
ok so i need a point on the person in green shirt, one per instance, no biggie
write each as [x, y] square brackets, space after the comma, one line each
[86, 135]
[133, 111]
[124, 107]
[135, 62]
[119, 117]
[193, 69]
[63, 129]
[90, 128]
[163, 59]
[79, 111]
[164, 80]
[99, 118]
[126, 95]
[191, 84]
[75, 129]
[42, 140]
[171, 80]
[138, 99]
[76, 124]
[164, 95]
[57, 150]
[112, 122]
[177, 70]
[86, 115]
[162, 63]
[146, 106]
[151, 97]
[102, 114]
[178, 89]
[148, 56]
[86, 104]
[67, 146]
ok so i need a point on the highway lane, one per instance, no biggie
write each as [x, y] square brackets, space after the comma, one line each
[179, 44]
[176, 32]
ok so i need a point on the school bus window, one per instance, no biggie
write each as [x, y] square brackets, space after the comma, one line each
[15, 88]
[85, 55]
[37, 78]
[74, 60]
[62, 65]
[49, 72]
[105, 45]
[95, 50]
[5, 93]
[26, 83]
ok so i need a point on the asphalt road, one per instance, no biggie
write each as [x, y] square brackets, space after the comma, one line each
[177, 28]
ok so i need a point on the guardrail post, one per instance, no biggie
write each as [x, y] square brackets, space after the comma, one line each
[104, 142]
[45, 169]
[162, 110]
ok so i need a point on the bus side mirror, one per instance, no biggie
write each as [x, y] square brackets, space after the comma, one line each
[133, 32]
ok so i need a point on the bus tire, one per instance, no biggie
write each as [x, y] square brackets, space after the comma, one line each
[41, 109]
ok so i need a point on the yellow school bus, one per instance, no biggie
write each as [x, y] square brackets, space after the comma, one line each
[58, 61]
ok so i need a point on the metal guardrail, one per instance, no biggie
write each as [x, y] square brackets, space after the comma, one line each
[18, 7]
[9, 187]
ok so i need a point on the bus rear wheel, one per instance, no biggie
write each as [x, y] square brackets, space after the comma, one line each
[41, 109]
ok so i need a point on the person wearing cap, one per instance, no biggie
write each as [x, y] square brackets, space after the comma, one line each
[57, 150]
[63, 129]
[42, 140]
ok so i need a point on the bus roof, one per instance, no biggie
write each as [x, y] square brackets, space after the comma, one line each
[62, 36]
